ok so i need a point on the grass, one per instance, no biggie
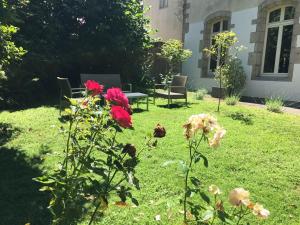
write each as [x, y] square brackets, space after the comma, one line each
[262, 157]
[274, 105]
[232, 100]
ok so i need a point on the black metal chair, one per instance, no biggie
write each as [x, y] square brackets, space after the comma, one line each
[66, 91]
[176, 90]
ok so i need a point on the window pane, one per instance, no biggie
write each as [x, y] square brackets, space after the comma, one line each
[213, 59]
[271, 47]
[213, 63]
[289, 13]
[217, 27]
[275, 16]
[166, 3]
[225, 25]
[286, 49]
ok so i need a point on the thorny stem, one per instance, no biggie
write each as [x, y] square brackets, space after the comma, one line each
[192, 154]
[109, 179]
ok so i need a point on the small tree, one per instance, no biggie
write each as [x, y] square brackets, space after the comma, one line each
[9, 52]
[175, 54]
[220, 49]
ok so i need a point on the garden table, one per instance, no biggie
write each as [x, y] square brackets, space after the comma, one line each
[138, 95]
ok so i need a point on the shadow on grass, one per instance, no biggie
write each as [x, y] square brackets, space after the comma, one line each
[176, 105]
[138, 110]
[7, 132]
[21, 201]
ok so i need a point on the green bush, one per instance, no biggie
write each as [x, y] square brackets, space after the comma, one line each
[232, 100]
[243, 117]
[200, 94]
[235, 78]
[274, 105]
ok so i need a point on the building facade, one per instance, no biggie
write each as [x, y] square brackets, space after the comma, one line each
[166, 18]
[270, 31]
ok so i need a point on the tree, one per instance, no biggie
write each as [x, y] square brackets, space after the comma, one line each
[223, 42]
[9, 52]
[175, 54]
[70, 37]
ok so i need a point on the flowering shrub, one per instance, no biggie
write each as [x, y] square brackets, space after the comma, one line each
[94, 165]
[205, 128]
[239, 198]
[93, 87]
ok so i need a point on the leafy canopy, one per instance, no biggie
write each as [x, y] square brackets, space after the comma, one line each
[174, 53]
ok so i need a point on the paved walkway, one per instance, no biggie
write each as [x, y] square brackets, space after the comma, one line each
[289, 110]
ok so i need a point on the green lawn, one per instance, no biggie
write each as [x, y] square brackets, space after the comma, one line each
[262, 157]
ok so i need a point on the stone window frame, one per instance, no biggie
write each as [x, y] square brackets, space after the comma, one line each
[258, 39]
[163, 4]
[206, 42]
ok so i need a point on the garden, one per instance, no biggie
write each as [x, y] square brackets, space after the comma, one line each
[101, 158]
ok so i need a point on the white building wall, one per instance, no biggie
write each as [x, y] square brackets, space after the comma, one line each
[190, 68]
[254, 88]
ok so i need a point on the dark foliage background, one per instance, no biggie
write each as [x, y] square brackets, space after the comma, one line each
[69, 37]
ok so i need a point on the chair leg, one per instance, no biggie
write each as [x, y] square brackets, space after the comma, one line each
[168, 102]
[154, 99]
[147, 103]
[186, 102]
[60, 107]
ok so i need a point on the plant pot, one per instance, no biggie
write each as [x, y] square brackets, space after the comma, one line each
[218, 92]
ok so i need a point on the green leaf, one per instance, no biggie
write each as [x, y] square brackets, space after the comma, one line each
[195, 181]
[46, 188]
[205, 161]
[184, 168]
[208, 215]
[205, 197]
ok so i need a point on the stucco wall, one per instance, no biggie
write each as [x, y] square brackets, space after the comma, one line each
[168, 21]
[243, 13]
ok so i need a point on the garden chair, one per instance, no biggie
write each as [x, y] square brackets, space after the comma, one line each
[175, 90]
[107, 80]
[66, 91]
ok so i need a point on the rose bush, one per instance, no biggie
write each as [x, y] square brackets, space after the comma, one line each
[95, 165]
[205, 128]
[93, 87]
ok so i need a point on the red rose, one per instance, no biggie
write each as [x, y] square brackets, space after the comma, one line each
[121, 116]
[116, 97]
[94, 87]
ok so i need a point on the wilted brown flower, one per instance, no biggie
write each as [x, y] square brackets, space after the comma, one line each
[260, 211]
[239, 196]
[130, 150]
[201, 122]
[219, 206]
[159, 131]
[215, 141]
[215, 190]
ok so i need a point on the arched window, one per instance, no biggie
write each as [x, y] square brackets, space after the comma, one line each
[217, 27]
[214, 23]
[278, 41]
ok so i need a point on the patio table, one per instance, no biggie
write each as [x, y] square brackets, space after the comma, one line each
[138, 95]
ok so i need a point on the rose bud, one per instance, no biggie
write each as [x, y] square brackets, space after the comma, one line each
[219, 206]
[130, 150]
[159, 131]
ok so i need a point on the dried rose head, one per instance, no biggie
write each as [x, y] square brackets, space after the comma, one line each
[239, 196]
[159, 131]
[130, 150]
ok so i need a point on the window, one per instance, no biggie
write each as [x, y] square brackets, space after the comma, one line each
[217, 27]
[163, 4]
[278, 41]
